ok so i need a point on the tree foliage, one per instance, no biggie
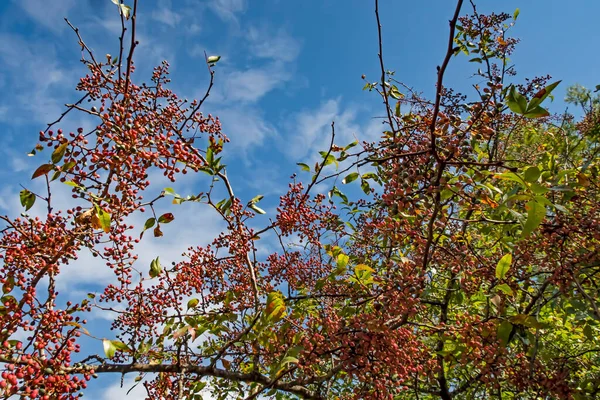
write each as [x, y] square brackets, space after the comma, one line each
[456, 257]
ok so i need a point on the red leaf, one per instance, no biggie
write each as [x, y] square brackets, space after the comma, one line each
[166, 218]
[42, 170]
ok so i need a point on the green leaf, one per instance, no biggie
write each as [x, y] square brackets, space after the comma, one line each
[257, 209]
[516, 14]
[336, 192]
[55, 176]
[256, 199]
[342, 261]
[532, 174]
[536, 188]
[505, 289]
[192, 303]
[155, 268]
[72, 184]
[224, 205]
[120, 345]
[510, 176]
[68, 166]
[288, 360]
[369, 175]
[364, 185]
[395, 93]
[213, 59]
[210, 156]
[42, 170]
[169, 190]
[541, 95]
[166, 218]
[588, 332]
[27, 199]
[362, 268]
[526, 320]
[330, 160]
[516, 101]
[123, 9]
[103, 218]
[351, 145]
[304, 167]
[536, 213]
[350, 178]
[147, 225]
[503, 266]
[109, 348]
[537, 112]
[275, 308]
[504, 330]
[59, 152]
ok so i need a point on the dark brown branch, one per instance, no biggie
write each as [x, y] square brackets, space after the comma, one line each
[440, 76]
[322, 165]
[132, 46]
[252, 377]
[382, 67]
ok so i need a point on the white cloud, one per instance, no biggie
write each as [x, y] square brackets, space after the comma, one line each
[166, 15]
[34, 87]
[310, 131]
[49, 14]
[252, 84]
[193, 28]
[118, 391]
[180, 234]
[246, 128]
[228, 10]
[276, 45]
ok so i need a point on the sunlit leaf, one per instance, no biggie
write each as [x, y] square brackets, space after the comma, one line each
[166, 218]
[103, 219]
[213, 59]
[192, 303]
[257, 209]
[275, 308]
[59, 152]
[42, 170]
[27, 199]
[155, 268]
[536, 213]
[505, 289]
[516, 101]
[532, 174]
[537, 112]
[109, 348]
[304, 167]
[342, 260]
[350, 177]
[503, 266]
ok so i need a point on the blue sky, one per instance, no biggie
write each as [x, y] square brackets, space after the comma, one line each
[288, 69]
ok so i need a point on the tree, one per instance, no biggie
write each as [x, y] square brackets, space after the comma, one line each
[467, 268]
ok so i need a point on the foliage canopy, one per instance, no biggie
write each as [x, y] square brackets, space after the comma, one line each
[455, 258]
